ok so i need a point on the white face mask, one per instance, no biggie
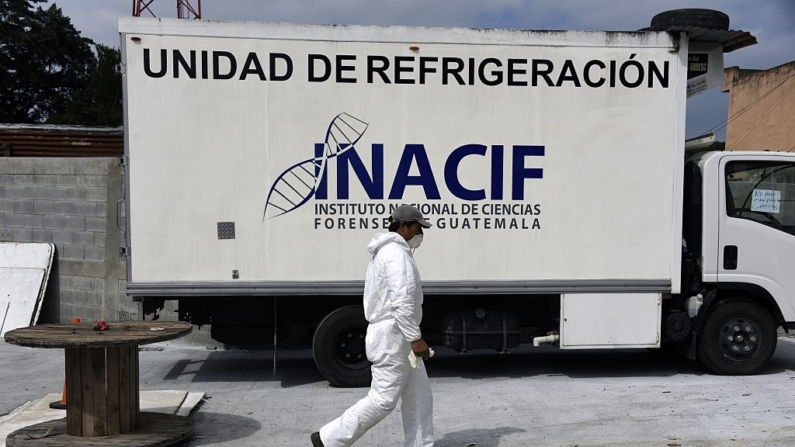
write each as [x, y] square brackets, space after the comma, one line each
[415, 242]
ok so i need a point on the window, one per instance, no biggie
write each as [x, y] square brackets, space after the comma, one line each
[763, 192]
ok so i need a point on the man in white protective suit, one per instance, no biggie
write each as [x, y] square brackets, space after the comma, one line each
[393, 307]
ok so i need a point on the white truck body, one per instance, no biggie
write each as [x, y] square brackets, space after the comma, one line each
[604, 214]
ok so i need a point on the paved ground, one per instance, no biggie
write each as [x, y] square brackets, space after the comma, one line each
[532, 397]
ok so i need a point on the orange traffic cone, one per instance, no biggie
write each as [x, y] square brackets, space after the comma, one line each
[60, 404]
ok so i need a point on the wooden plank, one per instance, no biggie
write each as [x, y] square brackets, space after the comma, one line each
[134, 388]
[86, 391]
[125, 411]
[74, 395]
[112, 397]
[100, 390]
[83, 334]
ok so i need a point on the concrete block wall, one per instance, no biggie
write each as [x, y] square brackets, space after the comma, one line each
[71, 202]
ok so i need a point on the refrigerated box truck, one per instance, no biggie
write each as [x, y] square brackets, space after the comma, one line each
[261, 158]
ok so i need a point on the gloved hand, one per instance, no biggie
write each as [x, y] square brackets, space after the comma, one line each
[413, 359]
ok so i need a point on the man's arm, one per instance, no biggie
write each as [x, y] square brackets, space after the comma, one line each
[402, 284]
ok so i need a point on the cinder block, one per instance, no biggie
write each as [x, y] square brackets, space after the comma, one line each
[61, 193]
[2, 191]
[6, 179]
[15, 220]
[92, 180]
[65, 281]
[40, 235]
[95, 224]
[74, 252]
[81, 283]
[35, 192]
[99, 239]
[54, 222]
[91, 312]
[69, 296]
[15, 192]
[23, 234]
[83, 238]
[93, 299]
[6, 234]
[75, 223]
[81, 192]
[23, 179]
[44, 179]
[43, 207]
[95, 254]
[23, 206]
[54, 193]
[6, 205]
[34, 220]
[65, 180]
[96, 194]
[86, 208]
[65, 207]
[62, 237]
[98, 284]
[102, 209]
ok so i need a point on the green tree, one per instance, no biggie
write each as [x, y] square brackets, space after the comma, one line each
[48, 71]
[99, 103]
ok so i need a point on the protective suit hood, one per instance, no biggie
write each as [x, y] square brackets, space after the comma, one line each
[381, 240]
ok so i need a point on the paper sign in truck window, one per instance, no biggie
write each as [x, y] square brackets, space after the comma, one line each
[766, 200]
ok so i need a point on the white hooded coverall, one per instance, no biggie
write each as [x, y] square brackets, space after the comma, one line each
[393, 307]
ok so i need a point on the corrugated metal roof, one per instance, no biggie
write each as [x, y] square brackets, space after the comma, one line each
[41, 140]
[730, 39]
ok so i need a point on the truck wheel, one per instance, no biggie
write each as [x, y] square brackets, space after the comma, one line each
[739, 337]
[701, 18]
[339, 349]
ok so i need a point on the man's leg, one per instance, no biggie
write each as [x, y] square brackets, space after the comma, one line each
[417, 408]
[389, 377]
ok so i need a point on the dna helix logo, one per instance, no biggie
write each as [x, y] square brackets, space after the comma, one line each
[298, 183]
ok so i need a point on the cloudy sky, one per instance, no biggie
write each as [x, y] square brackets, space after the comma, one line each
[771, 21]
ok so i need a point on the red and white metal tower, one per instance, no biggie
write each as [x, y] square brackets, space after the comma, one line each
[186, 9]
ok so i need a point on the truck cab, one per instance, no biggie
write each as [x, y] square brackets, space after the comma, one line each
[744, 252]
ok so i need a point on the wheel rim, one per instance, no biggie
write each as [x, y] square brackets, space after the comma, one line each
[350, 347]
[739, 339]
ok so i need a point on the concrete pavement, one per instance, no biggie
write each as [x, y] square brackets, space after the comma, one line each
[532, 397]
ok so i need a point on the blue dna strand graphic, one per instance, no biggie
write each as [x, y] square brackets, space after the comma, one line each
[296, 185]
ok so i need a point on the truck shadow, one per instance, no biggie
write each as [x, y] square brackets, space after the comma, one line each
[553, 362]
[297, 368]
[549, 361]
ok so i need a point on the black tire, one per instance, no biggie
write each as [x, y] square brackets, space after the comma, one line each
[725, 350]
[701, 18]
[339, 349]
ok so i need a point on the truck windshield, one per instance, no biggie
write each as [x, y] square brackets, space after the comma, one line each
[763, 192]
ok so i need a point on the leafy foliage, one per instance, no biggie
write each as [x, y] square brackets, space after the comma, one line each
[49, 72]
